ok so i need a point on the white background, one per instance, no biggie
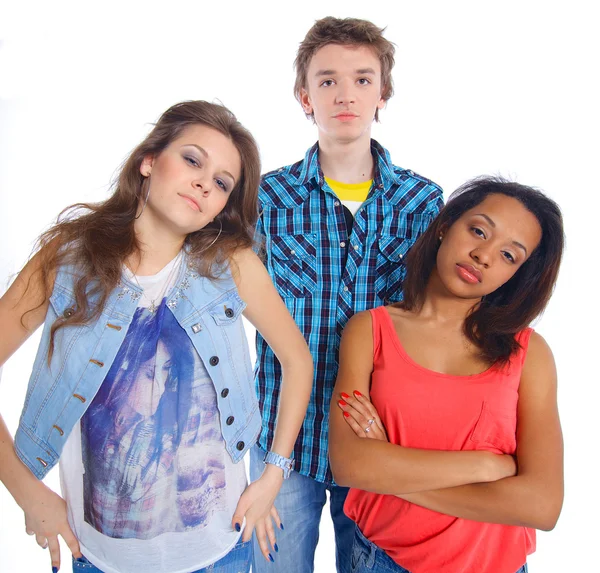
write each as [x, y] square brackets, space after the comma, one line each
[481, 87]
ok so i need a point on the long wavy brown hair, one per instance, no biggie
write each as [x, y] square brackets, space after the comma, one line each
[96, 238]
[493, 322]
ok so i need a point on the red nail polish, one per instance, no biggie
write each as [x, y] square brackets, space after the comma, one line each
[346, 414]
[345, 396]
[342, 403]
[357, 393]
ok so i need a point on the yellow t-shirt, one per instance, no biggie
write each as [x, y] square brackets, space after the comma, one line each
[352, 195]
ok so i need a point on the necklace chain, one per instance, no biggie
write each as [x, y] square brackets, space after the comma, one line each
[152, 307]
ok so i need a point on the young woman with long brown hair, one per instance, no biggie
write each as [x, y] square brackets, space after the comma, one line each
[447, 428]
[142, 384]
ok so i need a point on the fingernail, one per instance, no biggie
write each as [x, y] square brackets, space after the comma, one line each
[276, 548]
[281, 526]
[54, 569]
[346, 414]
[345, 396]
[238, 527]
[342, 403]
[271, 558]
[357, 393]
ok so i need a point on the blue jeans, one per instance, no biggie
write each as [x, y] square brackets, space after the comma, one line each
[300, 504]
[236, 561]
[368, 558]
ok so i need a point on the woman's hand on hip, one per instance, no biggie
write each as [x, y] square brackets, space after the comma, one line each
[46, 518]
[256, 505]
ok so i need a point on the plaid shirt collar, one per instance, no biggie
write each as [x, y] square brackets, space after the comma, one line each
[383, 179]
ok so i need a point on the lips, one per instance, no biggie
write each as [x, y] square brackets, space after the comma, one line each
[191, 201]
[345, 115]
[469, 273]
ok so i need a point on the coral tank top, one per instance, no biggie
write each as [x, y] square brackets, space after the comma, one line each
[425, 409]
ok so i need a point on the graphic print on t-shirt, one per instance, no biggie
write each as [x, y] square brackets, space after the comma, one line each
[153, 451]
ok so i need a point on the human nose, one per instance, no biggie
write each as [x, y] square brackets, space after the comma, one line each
[202, 184]
[482, 256]
[345, 93]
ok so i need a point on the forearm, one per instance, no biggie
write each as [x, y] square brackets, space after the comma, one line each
[519, 501]
[14, 474]
[381, 467]
[295, 392]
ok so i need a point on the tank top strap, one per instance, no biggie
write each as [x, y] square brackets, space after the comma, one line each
[522, 337]
[381, 329]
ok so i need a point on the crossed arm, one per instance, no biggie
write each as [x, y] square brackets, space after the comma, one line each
[471, 485]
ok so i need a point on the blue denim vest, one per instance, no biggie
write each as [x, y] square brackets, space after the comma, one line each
[59, 392]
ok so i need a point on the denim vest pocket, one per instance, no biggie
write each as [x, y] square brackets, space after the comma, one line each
[294, 263]
[62, 300]
[227, 311]
[63, 303]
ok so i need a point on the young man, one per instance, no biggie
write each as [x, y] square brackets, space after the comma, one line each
[336, 227]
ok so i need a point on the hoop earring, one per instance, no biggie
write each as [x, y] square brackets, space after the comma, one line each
[215, 239]
[145, 202]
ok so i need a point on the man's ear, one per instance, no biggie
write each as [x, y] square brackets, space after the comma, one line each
[305, 102]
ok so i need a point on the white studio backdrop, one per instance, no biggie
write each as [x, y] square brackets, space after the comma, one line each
[502, 88]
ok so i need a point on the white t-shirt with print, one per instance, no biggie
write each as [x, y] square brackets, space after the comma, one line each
[148, 482]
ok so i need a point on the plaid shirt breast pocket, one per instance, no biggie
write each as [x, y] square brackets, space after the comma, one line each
[391, 269]
[293, 259]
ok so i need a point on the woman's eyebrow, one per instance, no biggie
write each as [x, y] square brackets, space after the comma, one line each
[492, 224]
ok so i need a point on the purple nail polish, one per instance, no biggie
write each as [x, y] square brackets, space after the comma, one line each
[271, 558]
[238, 527]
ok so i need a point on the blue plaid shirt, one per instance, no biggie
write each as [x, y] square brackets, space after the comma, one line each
[325, 273]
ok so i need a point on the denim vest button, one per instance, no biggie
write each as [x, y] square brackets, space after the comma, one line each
[230, 420]
[202, 306]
